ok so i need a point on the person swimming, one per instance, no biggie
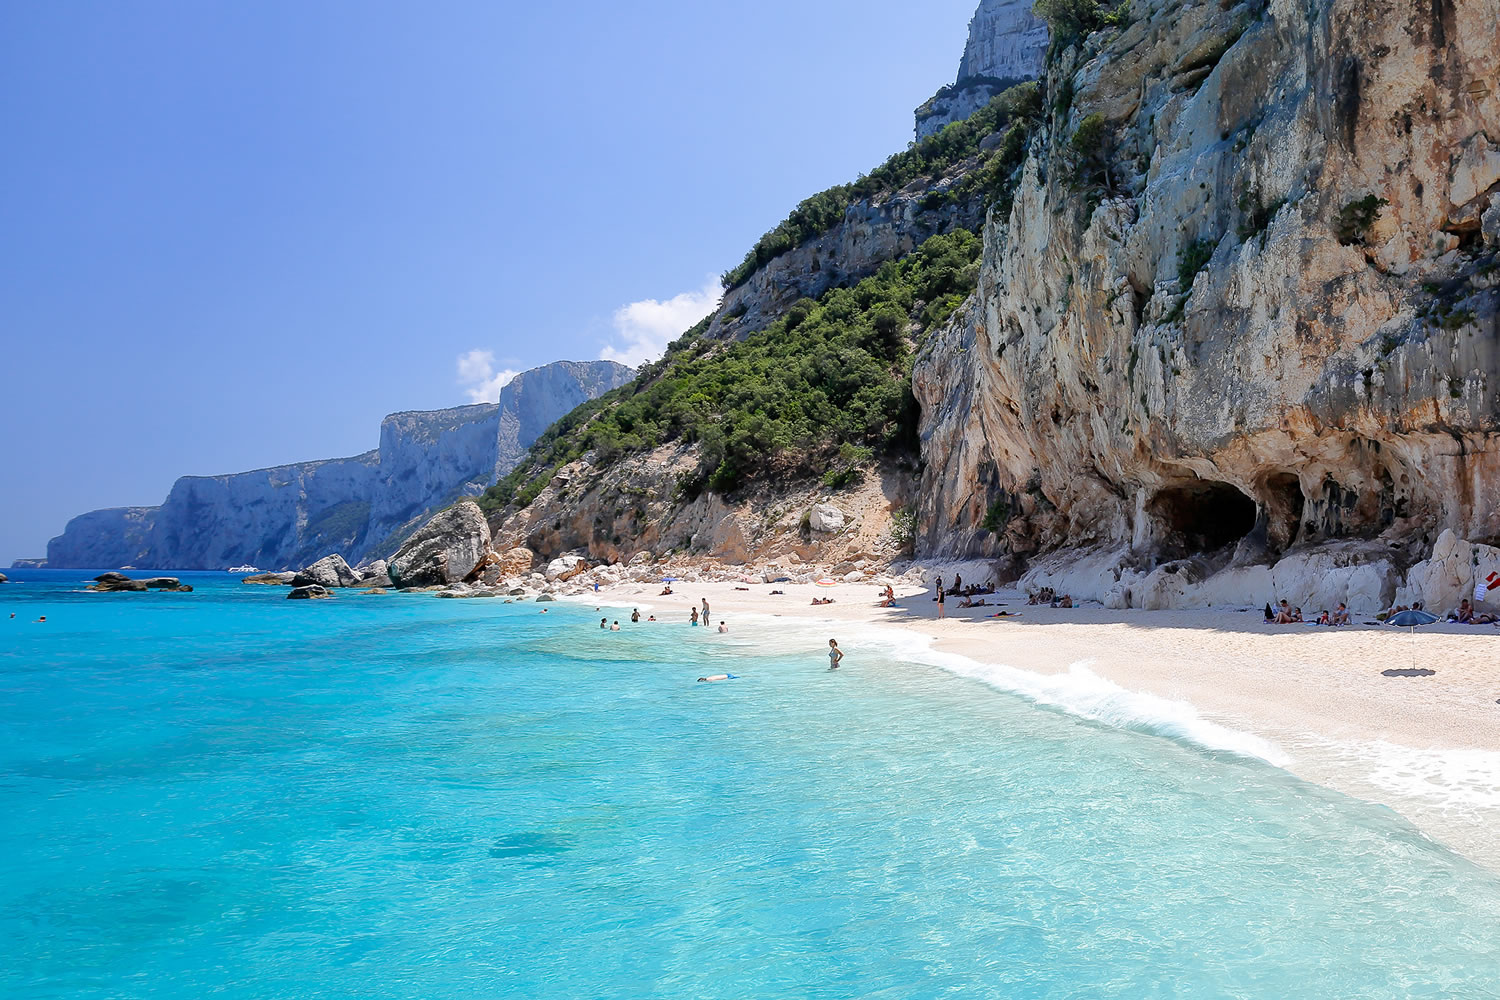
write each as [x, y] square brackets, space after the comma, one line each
[834, 654]
[603, 622]
[723, 627]
[615, 627]
[719, 677]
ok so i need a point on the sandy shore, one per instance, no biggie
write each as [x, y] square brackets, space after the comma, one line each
[1337, 706]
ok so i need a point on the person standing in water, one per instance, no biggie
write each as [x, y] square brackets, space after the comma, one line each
[705, 611]
[834, 654]
[694, 616]
[635, 615]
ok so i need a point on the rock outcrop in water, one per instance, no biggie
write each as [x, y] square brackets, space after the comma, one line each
[1236, 336]
[330, 571]
[289, 515]
[119, 582]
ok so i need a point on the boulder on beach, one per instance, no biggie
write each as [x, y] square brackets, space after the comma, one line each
[271, 579]
[444, 550]
[565, 568]
[310, 592]
[516, 561]
[330, 571]
[826, 517]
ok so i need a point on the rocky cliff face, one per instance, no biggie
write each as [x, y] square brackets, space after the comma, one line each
[1241, 336]
[1007, 42]
[533, 400]
[278, 517]
[118, 536]
[288, 516]
[427, 458]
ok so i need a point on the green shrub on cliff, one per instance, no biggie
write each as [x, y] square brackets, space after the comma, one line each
[820, 389]
[929, 158]
[1070, 20]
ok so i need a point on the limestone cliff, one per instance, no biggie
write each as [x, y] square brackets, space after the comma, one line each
[1007, 43]
[115, 537]
[288, 516]
[532, 400]
[1237, 331]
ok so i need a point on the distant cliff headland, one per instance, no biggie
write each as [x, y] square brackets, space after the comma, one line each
[290, 515]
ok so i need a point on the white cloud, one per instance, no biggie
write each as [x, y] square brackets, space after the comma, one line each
[477, 375]
[645, 328]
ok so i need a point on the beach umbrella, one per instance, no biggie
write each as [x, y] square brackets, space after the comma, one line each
[826, 582]
[1409, 620]
[669, 579]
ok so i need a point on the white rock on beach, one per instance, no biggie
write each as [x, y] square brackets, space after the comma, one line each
[826, 517]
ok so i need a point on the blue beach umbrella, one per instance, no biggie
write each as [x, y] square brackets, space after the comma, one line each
[1410, 619]
[669, 579]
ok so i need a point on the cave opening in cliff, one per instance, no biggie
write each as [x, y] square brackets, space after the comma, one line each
[1283, 500]
[1201, 516]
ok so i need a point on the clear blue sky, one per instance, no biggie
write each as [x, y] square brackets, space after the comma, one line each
[238, 234]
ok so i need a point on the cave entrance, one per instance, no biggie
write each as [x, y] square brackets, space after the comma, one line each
[1282, 495]
[1202, 516]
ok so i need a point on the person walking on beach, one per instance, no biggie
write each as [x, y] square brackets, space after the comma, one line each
[834, 654]
[941, 612]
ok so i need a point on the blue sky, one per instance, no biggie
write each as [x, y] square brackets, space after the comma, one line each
[238, 234]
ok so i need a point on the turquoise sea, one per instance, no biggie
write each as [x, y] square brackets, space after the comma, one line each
[228, 794]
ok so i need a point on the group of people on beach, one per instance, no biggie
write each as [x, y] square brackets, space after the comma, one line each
[1467, 614]
[1050, 598]
[1284, 614]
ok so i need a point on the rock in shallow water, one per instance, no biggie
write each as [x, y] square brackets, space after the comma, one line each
[311, 592]
[330, 571]
[119, 582]
[270, 579]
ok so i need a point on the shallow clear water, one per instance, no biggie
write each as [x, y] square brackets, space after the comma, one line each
[227, 793]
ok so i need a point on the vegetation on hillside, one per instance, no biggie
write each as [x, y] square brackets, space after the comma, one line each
[1070, 20]
[1011, 112]
[809, 393]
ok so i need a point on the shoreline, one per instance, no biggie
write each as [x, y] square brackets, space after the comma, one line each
[1315, 701]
